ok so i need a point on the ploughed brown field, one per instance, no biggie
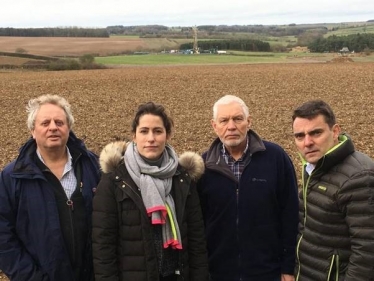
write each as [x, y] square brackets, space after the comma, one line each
[104, 101]
[71, 46]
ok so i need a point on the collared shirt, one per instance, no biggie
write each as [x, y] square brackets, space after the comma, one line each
[68, 179]
[236, 166]
[309, 168]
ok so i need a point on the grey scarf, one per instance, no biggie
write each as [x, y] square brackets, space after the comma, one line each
[155, 185]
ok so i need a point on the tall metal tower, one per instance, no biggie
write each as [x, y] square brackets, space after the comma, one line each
[195, 47]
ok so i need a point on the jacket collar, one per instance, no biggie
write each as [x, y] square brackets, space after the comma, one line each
[213, 155]
[335, 155]
[215, 161]
[25, 162]
[111, 158]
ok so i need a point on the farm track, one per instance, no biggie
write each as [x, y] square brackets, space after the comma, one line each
[104, 101]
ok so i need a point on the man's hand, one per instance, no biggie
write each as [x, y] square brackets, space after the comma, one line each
[287, 277]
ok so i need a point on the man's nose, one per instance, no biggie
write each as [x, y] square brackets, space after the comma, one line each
[308, 140]
[52, 125]
[231, 124]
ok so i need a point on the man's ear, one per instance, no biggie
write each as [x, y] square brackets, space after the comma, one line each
[249, 120]
[214, 124]
[336, 131]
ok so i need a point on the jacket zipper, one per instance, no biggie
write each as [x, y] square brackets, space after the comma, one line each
[337, 265]
[334, 261]
[237, 219]
[305, 191]
[237, 232]
[305, 188]
[331, 266]
[298, 259]
[70, 202]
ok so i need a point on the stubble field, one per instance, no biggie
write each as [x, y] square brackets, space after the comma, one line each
[104, 101]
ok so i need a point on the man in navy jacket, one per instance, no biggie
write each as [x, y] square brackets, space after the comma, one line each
[249, 200]
[46, 200]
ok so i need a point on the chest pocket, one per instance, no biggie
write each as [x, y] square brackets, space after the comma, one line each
[324, 194]
[130, 205]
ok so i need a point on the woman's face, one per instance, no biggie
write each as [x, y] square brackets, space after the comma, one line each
[150, 136]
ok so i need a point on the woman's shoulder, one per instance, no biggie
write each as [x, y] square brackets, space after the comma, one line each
[192, 163]
[112, 155]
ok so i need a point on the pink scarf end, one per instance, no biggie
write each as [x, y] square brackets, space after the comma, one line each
[173, 243]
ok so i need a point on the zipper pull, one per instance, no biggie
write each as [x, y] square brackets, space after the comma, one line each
[81, 187]
[70, 203]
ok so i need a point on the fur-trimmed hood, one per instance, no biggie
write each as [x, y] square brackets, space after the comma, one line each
[112, 155]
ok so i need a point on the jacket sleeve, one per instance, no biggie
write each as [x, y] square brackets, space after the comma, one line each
[289, 203]
[356, 199]
[197, 249]
[15, 261]
[105, 229]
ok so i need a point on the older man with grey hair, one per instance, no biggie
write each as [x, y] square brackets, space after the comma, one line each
[46, 199]
[249, 200]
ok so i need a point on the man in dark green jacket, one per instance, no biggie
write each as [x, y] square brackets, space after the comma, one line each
[336, 232]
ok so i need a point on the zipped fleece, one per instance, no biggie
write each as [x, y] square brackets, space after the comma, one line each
[32, 246]
[336, 240]
[251, 224]
[123, 245]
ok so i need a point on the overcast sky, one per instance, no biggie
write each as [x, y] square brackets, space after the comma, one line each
[103, 13]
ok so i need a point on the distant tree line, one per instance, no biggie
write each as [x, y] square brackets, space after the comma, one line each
[136, 29]
[271, 30]
[239, 45]
[354, 42]
[54, 32]
[305, 33]
[206, 31]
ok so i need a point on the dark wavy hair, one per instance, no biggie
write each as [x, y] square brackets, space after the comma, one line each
[153, 109]
[312, 109]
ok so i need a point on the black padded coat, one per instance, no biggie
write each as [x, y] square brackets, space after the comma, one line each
[336, 240]
[123, 246]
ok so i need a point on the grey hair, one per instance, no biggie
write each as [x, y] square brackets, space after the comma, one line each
[227, 99]
[34, 105]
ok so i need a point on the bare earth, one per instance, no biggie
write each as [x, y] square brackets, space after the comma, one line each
[70, 46]
[104, 101]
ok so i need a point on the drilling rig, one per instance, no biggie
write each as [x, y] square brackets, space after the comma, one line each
[195, 47]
